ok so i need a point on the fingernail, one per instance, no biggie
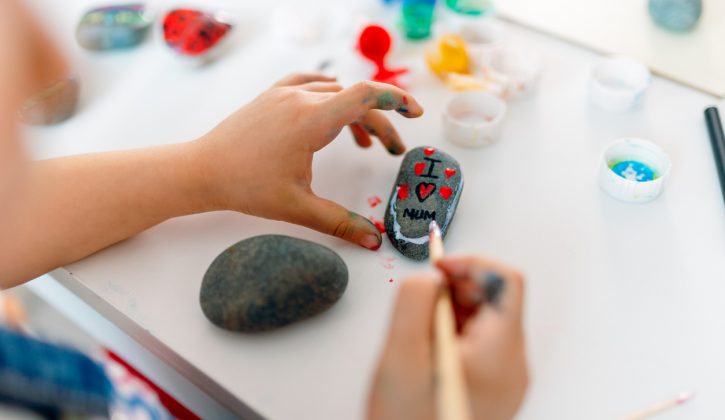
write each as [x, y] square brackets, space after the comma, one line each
[372, 242]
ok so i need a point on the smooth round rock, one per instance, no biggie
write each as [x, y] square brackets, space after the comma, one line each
[52, 105]
[113, 27]
[269, 281]
[675, 15]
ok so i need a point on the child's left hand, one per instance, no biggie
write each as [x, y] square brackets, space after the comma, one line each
[278, 133]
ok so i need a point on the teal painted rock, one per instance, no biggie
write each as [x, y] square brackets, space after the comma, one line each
[113, 27]
[52, 105]
[675, 15]
[428, 187]
[270, 281]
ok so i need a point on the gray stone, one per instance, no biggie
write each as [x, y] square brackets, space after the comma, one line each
[428, 188]
[113, 27]
[269, 281]
[52, 105]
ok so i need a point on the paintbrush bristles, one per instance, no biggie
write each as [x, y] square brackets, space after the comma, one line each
[435, 242]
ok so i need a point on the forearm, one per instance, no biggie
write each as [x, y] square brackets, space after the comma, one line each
[74, 206]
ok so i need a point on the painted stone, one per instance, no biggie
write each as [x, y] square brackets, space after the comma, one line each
[675, 15]
[52, 105]
[113, 27]
[428, 188]
[192, 32]
[269, 281]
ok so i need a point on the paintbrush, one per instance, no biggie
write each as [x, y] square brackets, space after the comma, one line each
[451, 396]
[661, 407]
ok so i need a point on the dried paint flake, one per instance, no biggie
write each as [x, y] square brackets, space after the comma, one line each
[374, 201]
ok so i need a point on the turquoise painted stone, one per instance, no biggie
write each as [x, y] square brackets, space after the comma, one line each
[113, 27]
[675, 15]
[52, 105]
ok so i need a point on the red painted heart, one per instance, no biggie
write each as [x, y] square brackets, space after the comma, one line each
[424, 190]
[445, 192]
[402, 192]
[419, 167]
[450, 172]
[429, 151]
[191, 32]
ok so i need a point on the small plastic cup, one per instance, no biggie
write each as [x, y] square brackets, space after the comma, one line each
[634, 170]
[618, 84]
[417, 18]
[521, 68]
[473, 119]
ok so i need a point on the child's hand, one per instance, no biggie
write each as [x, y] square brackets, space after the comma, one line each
[488, 298]
[259, 160]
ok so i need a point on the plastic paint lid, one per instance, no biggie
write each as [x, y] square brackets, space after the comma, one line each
[473, 119]
[520, 67]
[618, 84]
[634, 170]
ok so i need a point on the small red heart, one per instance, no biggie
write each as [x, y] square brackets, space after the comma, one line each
[450, 172]
[402, 192]
[419, 168]
[429, 151]
[425, 190]
[446, 192]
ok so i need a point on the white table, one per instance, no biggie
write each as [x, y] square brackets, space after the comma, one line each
[624, 303]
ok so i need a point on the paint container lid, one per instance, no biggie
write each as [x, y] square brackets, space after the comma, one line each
[634, 170]
[522, 69]
[473, 119]
[618, 84]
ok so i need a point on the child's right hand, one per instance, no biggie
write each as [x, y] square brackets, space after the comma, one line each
[259, 160]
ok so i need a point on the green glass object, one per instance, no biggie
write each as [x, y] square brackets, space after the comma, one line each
[418, 18]
[470, 7]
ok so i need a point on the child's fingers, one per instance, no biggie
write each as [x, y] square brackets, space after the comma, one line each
[354, 101]
[362, 138]
[377, 124]
[333, 219]
[300, 78]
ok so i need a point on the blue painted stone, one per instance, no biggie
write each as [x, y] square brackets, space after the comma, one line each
[675, 15]
[633, 171]
[113, 27]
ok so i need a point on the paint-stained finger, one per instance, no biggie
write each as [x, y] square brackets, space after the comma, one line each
[362, 138]
[411, 327]
[354, 101]
[300, 78]
[477, 280]
[321, 86]
[333, 219]
[376, 123]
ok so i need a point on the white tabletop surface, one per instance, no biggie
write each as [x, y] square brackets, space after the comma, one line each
[624, 303]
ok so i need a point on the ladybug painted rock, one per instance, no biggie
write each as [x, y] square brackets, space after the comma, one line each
[192, 32]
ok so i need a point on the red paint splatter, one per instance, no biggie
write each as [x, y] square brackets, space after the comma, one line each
[446, 192]
[378, 224]
[390, 280]
[429, 151]
[424, 190]
[450, 172]
[403, 191]
[374, 201]
[387, 262]
[419, 167]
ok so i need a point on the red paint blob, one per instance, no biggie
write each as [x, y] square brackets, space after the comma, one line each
[450, 172]
[378, 224]
[419, 167]
[374, 44]
[403, 192]
[390, 280]
[429, 151]
[374, 201]
[424, 190]
[446, 192]
[405, 100]
[191, 32]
